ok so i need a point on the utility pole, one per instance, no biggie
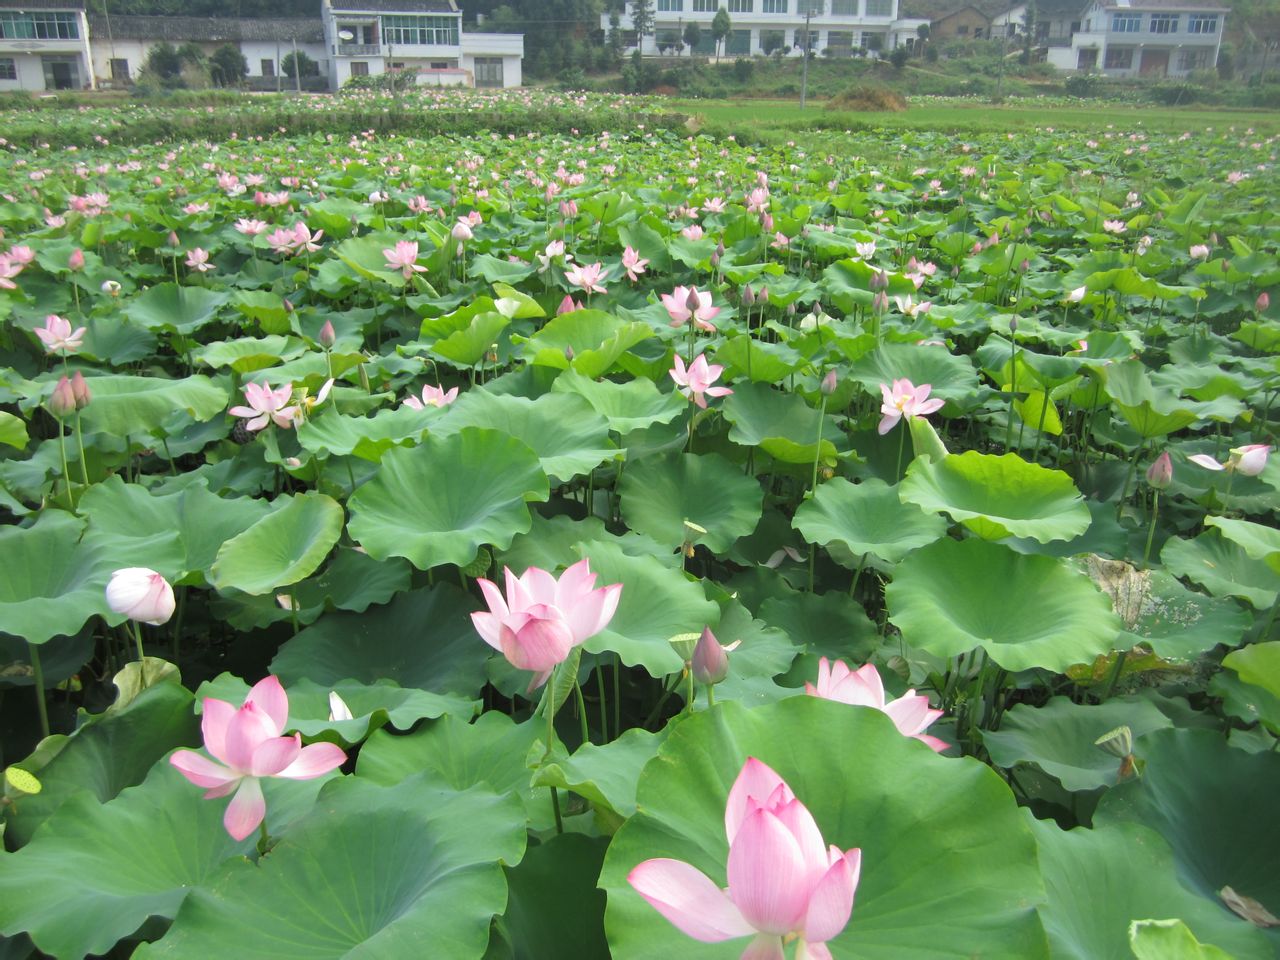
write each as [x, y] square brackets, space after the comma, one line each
[297, 68]
[279, 64]
[1004, 33]
[808, 42]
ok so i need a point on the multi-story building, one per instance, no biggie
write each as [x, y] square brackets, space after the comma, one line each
[1148, 38]
[370, 37]
[44, 45]
[837, 27]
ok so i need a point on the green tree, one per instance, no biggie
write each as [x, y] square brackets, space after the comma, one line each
[721, 27]
[692, 35]
[227, 66]
[614, 41]
[1029, 29]
[308, 67]
[642, 20]
[163, 62]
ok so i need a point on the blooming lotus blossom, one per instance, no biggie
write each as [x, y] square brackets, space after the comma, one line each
[633, 263]
[692, 232]
[780, 241]
[8, 270]
[904, 399]
[696, 382]
[248, 744]
[687, 303]
[1199, 251]
[586, 277]
[198, 259]
[250, 227]
[56, 334]
[1114, 226]
[461, 230]
[304, 240]
[22, 254]
[541, 619]
[713, 205]
[404, 257]
[431, 397]
[784, 882]
[554, 250]
[282, 241]
[1248, 460]
[266, 405]
[568, 305]
[910, 713]
[912, 309]
[865, 250]
[141, 594]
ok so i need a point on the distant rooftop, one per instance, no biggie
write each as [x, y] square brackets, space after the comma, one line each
[393, 6]
[41, 4]
[1172, 5]
[205, 29]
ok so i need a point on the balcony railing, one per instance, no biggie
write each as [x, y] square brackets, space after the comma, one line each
[359, 50]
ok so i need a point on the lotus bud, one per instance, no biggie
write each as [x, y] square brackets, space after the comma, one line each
[1160, 473]
[141, 594]
[288, 305]
[1263, 302]
[829, 383]
[692, 303]
[173, 238]
[791, 309]
[80, 389]
[748, 298]
[763, 295]
[328, 336]
[710, 662]
[1226, 266]
[76, 260]
[955, 272]
[720, 249]
[63, 400]
[1076, 295]
[715, 261]
[111, 288]
[880, 303]
[1250, 460]
[1024, 266]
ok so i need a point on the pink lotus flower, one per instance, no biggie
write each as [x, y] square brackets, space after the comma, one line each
[713, 205]
[865, 250]
[780, 241]
[910, 713]
[281, 241]
[56, 334]
[431, 397]
[586, 277]
[1160, 473]
[404, 257]
[75, 262]
[140, 594]
[692, 232]
[542, 619]
[905, 399]
[784, 882]
[633, 264]
[249, 744]
[461, 230]
[1114, 226]
[304, 240]
[912, 309]
[1248, 460]
[266, 405]
[687, 303]
[696, 382]
[554, 250]
[710, 663]
[568, 305]
[8, 270]
[198, 259]
[250, 227]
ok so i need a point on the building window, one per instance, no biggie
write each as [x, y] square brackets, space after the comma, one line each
[268, 68]
[840, 43]
[739, 43]
[438, 31]
[844, 8]
[1164, 23]
[1126, 23]
[670, 6]
[771, 40]
[1118, 58]
[39, 26]
[707, 6]
[814, 7]
[489, 72]
[1087, 59]
[8, 68]
[812, 43]
[1202, 23]
[446, 65]
[61, 73]
[742, 6]
[873, 42]
[1194, 58]
[962, 30]
[776, 6]
[359, 68]
[879, 8]
[120, 70]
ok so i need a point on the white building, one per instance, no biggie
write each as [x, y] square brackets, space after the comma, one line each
[44, 45]
[370, 37]
[839, 27]
[1147, 38]
[121, 43]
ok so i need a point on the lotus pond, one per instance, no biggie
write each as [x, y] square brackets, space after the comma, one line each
[627, 543]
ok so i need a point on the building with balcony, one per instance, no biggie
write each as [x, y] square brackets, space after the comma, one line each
[837, 27]
[1146, 38]
[424, 37]
[44, 46]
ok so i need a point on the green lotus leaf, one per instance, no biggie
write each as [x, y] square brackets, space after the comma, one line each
[468, 346]
[247, 354]
[1222, 567]
[1258, 541]
[971, 873]
[606, 775]
[167, 306]
[1175, 622]
[549, 543]
[628, 406]
[867, 517]
[587, 341]
[764, 652]
[61, 658]
[999, 496]
[781, 424]
[759, 361]
[97, 871]
[1101, 880]
[1024, 611]
[661, 495]
[1060, 736]
[116, 342]
[491, 751]
[441, 501]
[827, 624]
[1170, 940]
[53, 583]
[554, 909]
[333, 434]
[265, 307]
[1258, 664]
[124, 405]
[1222, 831]
[13, 431]
[1151, 412]
[568, 436]
[499, 270]
[372, 870]
[280, 549]
[949, 376]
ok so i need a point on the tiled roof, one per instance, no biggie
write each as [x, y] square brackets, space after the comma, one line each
[1189, 6]
[41, 4]
[206, 29]
[393, 6]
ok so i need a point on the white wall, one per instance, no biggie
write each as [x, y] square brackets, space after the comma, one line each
[30, 72]
[255, 51]
[104, 51]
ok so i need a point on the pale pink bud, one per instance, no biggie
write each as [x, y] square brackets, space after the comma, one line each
[710, 660]
[328, 336]
[748, 298]
[1160, 473]
[1262, 303]
[173, 238]
[76, 260]
[63, 400]
[829, 383]
[80, 389]
[141, 594]
[763, 295]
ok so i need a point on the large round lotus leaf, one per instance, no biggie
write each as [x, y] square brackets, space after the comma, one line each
[61, 657]
[948, 864]
[659, 494]
[1169, 940]
[781, 424]
[1222, 567]
[588, 341]
[247, 354]
[52, 583]
[441, 501]
[387, 872]
[1101, 880]
[167, 306]
[107, 753]
[568, 436]
[1025, 611]
[421, 639]
[605, 775]
[97, 872]
[124, 405]
[949, 376]
[631, 405]
[867, 517]
[554, 909]
[999, 496]
[1258, 664]
[826, 624]
[1060, 738]
[1215, 805]
[1258, 541]
[280, 549]
[333, 434]
[1177, 623]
